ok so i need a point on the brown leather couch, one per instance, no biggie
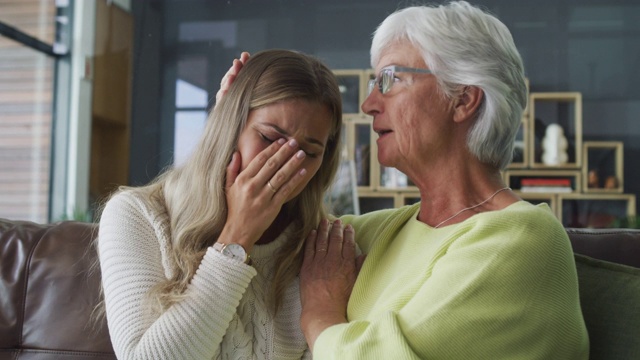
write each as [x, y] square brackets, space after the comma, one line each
[48, 291]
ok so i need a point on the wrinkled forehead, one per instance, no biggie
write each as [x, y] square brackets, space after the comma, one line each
[400, 53]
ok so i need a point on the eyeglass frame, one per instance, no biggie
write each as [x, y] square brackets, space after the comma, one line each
[391, 70]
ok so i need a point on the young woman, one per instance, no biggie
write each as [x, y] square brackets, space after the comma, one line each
[203, 262]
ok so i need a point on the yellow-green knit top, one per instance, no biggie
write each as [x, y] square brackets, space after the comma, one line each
[499, 285]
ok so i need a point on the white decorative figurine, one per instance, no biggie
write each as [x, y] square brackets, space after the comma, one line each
[554, 146]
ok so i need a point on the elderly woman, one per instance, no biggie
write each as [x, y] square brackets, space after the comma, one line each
[472, 271]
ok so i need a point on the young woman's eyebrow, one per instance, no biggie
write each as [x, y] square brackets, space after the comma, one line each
[309, 139]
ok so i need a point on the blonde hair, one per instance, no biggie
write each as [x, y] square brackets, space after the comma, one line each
[196, 219]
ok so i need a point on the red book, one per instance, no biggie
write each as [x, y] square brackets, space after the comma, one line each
[545, 182]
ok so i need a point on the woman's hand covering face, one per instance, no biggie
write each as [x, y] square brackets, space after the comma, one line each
[254, 198]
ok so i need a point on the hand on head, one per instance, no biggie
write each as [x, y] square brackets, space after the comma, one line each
[231, 74]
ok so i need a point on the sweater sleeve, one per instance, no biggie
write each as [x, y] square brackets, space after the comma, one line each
[131, 264]
[495, 287]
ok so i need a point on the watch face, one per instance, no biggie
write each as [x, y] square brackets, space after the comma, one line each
[236, 251]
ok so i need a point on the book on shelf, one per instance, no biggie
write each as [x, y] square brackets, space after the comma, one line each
[546, 185]
[547, 189]
[545, 182]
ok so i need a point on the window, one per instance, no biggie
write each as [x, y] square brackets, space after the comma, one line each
[191, 113]
[27, 64]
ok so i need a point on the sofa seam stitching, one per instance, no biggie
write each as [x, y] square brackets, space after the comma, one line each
[26, 285]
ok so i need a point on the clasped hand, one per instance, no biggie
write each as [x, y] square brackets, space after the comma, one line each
[327, 277]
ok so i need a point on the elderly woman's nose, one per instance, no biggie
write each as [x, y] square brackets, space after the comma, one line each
[371, 105]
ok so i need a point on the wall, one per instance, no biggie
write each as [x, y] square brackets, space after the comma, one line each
[590, 47]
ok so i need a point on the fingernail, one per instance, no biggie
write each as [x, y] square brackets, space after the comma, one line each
[300, 154]
[293, 143]
[281, 141]
[348, 228]
[302, 172]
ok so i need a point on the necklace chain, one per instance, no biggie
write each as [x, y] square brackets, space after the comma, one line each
[473, 207]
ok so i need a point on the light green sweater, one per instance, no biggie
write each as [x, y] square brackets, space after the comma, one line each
[500, 285]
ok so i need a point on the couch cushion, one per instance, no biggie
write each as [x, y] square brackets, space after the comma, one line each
[610, 300]
[50, 292]
[620, 246]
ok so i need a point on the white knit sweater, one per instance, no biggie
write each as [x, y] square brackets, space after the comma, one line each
[223, 314]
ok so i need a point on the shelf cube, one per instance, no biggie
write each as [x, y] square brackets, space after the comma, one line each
[603, 170]
[565, 110]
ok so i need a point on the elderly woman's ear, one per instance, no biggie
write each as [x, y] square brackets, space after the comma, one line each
[467, 103]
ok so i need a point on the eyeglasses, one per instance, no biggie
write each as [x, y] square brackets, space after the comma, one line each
[385, 78]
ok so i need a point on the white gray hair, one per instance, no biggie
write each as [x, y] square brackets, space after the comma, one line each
[466, 46]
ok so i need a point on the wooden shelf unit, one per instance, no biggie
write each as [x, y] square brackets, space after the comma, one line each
[374, 195]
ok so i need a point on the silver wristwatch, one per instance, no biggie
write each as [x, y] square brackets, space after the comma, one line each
[234, 251]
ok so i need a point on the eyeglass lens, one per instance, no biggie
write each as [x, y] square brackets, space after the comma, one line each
[384, 80]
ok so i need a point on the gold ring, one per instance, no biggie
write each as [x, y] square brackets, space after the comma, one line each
[271, 187]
